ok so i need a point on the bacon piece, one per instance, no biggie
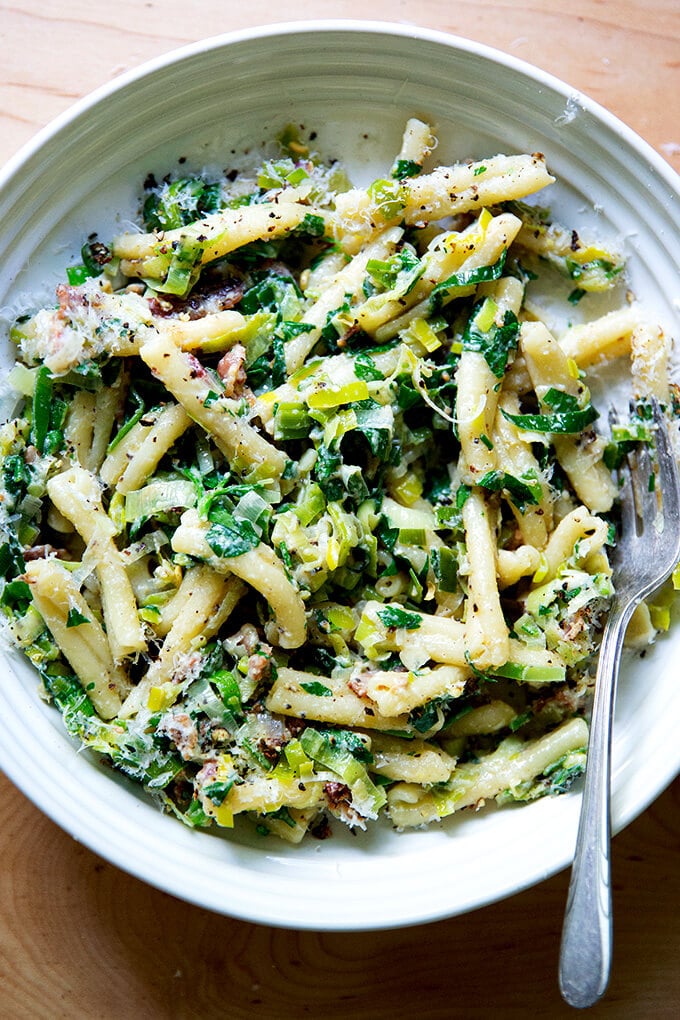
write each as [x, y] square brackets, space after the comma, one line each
[43, 552]
[183, 733]
[232, 372]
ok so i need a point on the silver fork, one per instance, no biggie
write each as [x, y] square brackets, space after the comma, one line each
[645, 555]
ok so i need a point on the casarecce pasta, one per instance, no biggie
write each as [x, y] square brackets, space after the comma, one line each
[304, 511]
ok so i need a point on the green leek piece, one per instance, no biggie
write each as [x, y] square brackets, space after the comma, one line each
[368, 797]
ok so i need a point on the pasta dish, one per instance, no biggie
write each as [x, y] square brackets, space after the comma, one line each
[305, 509]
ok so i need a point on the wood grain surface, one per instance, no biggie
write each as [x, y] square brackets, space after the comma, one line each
[81, 939]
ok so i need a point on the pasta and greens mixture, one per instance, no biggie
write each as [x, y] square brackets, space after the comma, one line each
[304, 510]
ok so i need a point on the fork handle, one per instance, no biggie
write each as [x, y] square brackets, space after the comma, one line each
[586, 948]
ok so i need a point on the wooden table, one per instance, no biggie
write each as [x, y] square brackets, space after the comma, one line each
[81, 939]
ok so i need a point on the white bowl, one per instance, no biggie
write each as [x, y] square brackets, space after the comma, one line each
[355, 84]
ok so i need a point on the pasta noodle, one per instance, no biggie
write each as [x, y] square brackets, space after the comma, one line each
[82, 640]
[76, 494]
[306, 510]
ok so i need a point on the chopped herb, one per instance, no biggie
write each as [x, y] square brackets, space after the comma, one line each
[399, 272]
[282, 814]
[318, 689]
[75, 618]
[523, 491]
[42, 407]
[462, 494]
[366, 368]
[434, 713]
[16, 595]
[404, 168]
[196, 817]
[180, 202]
[562, 422]
[392, 616]
[495, 342]
[77, 275]
[311, 226]
[465, 278]
[218, 791]
[228, 537]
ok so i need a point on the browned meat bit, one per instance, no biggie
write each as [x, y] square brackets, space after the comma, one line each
[182, 732]
[269, 750]
[269, 732]
[357, 685]
[559, 704]
[575, 626]
[280, 268]
[246, 642]
[43, 552]
[339, 800]
[246, 639]
[161, 307]
[232, 372]
[215, 292]
[336, 794]
[259, 667]
[186, 666]
[321, 829]
[343, 340]
[197, 370]
[70, 298]
[217, 299]
[295, 726]
[99, 253]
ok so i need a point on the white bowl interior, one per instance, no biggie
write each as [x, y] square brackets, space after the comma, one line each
[354, 85]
